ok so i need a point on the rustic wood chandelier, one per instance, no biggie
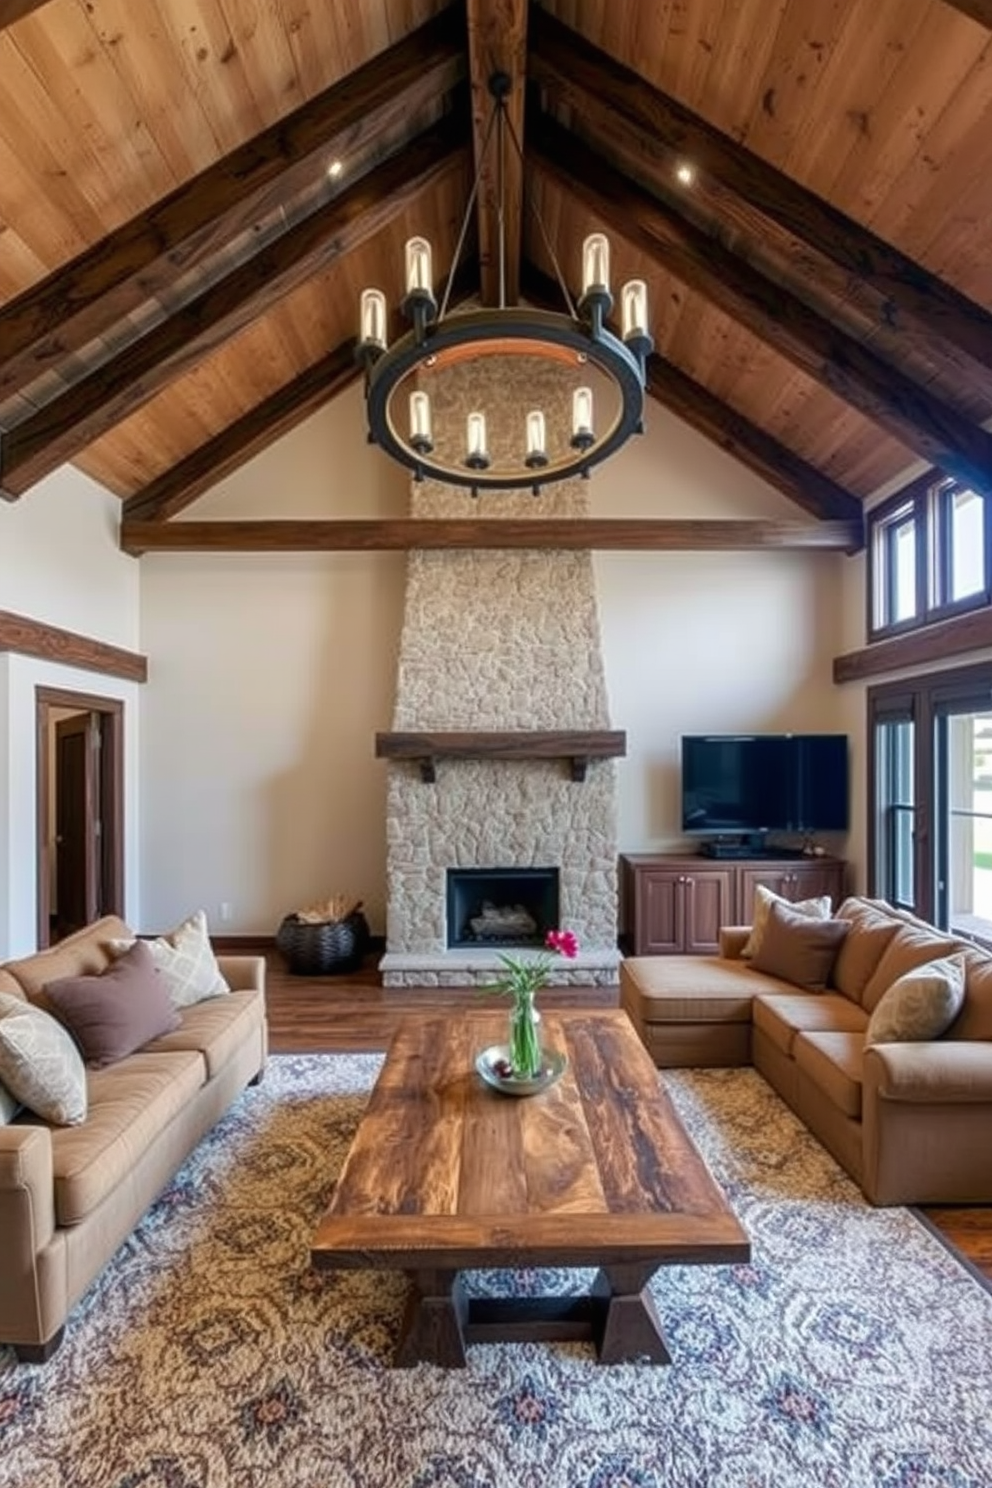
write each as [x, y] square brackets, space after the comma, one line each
[399, 378]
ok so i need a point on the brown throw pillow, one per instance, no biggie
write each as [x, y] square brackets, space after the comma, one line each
[798, 949]
[113, 1014]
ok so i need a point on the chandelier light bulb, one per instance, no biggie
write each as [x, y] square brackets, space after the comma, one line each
[596, 264]
[537, 454]
[421, 435]
[372, 319]
[419, 275]
[634, 301]
[477, 456]
[582, 411]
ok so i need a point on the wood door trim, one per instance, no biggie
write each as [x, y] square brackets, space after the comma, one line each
[111, 711]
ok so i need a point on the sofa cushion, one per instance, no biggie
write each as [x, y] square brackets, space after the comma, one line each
[214, 1028]
[39, 1063]
[862, 948]
[113, 1014]
[920, 1005]
[87, 953]
[911, 946]
[764, 898]
[781, 1015]
[131, 1103]
[974, 1021]
[833, 1061]
[798, 948]
[186, 960]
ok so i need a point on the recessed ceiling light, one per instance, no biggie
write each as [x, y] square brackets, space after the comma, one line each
[334, 169]
[685, 174]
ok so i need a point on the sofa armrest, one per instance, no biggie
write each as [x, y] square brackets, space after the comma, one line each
[243, 973]
[27, 1189]
[940, 1072]
[733, 939]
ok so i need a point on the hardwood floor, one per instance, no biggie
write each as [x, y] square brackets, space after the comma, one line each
[328, 1014]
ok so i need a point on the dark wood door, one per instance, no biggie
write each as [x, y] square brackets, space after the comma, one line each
[708, 904]
[658, 922]
[77, 821]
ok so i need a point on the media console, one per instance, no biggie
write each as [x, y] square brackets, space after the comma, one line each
[676, 903]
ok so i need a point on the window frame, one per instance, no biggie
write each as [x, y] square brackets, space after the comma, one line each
[927, 503]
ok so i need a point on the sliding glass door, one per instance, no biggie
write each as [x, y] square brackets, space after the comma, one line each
[930, 797]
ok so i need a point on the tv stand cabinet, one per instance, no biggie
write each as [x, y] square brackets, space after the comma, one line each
[676, 903]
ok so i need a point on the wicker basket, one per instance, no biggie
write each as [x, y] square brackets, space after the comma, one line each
[330, 949]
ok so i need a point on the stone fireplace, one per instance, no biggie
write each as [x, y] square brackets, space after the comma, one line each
[500, 645]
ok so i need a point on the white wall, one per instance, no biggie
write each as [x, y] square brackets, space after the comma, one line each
[60, 564]
[270, 674]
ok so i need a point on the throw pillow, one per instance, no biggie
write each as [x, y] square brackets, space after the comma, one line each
[186, 961]
[764, 898]
[799, 949]
[39, 1063]
[921, 1004]
[9, 1107]
[113, 1014]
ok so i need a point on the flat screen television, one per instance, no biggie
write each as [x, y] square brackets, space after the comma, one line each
[756, 783]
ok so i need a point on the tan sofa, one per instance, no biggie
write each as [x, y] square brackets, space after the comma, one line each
[911, 1122]
[69, 1195]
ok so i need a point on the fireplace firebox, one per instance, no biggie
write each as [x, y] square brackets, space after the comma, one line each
[501, 906]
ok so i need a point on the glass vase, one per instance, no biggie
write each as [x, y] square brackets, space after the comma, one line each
[526, 1058]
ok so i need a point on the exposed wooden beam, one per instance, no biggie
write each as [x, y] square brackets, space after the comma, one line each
[978, 10]
[920, 648]
[497, 43]
[180, 485]
[13, 10]
[49, 642]
[616, 102]
[306, 536]
[825, 352]
[801, 482]
[59, 429]
[143, 256]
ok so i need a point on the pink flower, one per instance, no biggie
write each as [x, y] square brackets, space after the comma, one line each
[564, 942]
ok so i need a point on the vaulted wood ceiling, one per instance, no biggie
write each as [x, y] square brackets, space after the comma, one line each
[179, 272]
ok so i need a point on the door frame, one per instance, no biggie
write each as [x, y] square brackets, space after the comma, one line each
[109, 853]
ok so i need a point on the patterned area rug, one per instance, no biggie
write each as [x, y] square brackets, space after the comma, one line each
[854, 1352]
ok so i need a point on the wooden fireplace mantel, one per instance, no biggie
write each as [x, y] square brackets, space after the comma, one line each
[576, 746]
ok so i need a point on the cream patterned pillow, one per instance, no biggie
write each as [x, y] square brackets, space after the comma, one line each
[813, 909]
[39, 1063]
[186, 961]
[921, 1004]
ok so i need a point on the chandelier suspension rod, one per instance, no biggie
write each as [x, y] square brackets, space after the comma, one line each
[469, 209]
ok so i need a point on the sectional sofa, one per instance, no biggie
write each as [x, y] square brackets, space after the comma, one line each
[69, 1194]
[911, 1121]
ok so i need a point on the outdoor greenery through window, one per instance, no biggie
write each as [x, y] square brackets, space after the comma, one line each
[928, 555]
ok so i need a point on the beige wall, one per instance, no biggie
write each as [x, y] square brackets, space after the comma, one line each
[60, 563]
[270, 674]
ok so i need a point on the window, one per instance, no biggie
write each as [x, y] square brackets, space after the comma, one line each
[930, 797]
[928, 556]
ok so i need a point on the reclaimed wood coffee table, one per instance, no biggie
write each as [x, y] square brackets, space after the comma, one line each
[446, 1174]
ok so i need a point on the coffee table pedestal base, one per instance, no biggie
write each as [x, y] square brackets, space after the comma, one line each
[618, 1316]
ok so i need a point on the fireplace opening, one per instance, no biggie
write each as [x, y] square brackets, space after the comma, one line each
[501, 906]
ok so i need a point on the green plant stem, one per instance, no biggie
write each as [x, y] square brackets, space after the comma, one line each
[525, 1044]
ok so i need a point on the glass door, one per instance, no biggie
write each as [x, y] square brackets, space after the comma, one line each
[895, 815]
[963, 836]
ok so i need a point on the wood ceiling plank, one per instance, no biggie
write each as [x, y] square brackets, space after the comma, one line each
[147, 253]
[881, 392]
[619, 104]
[614, 535]
[59, 429]
[497, 43]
